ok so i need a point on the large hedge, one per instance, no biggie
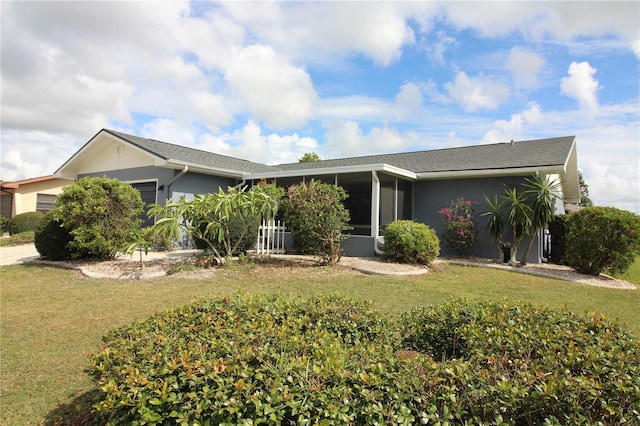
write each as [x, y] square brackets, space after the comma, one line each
[100, 214]
[272, 359]
[602, 239]
[24, 222]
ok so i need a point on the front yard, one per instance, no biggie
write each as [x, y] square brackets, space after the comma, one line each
[53, 318]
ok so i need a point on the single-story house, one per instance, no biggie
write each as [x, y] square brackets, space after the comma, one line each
[381, 188]
[30, 195]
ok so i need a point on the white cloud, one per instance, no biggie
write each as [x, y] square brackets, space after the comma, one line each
[408, 100]
[250, 144]
[581, 85]
[318, 32]
[275, 91]
[44, 153]
[516, 128]
[476, 93]
[525, 67]
[550, 20]
[344, 138]
[167, 130]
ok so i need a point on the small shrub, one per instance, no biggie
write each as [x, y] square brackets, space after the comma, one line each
[24, 222]
[317, 218]
[602, 239]
[558, 229]
[460, 227]
[407, 241]
[159, 242]
[4, 224]
[51, 238]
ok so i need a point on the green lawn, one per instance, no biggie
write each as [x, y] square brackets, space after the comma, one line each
[53, 318]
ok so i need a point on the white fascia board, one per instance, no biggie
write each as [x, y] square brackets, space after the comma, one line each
[236, 174]
[461, 174]
[335, 170]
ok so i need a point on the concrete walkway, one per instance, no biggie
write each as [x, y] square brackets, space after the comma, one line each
[12, 255]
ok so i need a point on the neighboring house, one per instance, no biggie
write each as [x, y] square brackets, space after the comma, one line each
[381, 188]
[30, 195]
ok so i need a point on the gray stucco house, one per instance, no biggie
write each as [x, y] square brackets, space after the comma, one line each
[382, 188]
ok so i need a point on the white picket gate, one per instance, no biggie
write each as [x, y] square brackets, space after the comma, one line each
[270, 238]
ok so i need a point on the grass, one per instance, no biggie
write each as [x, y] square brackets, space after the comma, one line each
[17, 239]
[53, 318]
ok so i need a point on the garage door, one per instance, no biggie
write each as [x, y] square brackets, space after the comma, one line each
[148, 193]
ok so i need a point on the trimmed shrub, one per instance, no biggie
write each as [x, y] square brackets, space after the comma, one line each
[101, 214]
[407, 241]
[558, 229]
[602, 239]
[316, 216]
[51, 238]
[273, 359]
[24, 222]
[246, 359]
[529, 365]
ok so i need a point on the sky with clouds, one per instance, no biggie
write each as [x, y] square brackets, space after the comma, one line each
[270, 81]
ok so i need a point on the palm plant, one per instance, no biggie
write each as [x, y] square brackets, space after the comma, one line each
[518, 218]
[541, 192]
[496, 223]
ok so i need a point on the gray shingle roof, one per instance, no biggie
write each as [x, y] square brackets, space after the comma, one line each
[194, 156]
[523, 154]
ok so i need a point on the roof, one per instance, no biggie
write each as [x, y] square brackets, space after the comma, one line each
[183, 154]
[551, 156]
[16, 184]
[511, 155]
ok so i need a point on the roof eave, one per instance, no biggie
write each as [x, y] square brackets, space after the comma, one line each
[515, 171]
[65, 171]
[382, 167]
[199, 168]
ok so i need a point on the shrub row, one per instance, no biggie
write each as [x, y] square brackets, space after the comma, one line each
[272, 359]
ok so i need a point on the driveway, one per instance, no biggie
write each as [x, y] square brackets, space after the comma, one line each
[12, 255]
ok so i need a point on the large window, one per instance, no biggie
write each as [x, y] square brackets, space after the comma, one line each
[358, 186]
[45, 202]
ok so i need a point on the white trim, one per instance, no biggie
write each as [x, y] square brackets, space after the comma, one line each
[380, 167]
[521, 171]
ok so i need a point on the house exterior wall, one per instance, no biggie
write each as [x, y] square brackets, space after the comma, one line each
[432, 195]
[24, 198]
[188, 183]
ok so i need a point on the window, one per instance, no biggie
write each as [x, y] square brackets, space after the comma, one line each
[45, 202]
[358, 186]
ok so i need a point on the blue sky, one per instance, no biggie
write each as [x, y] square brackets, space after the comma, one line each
[270, 81]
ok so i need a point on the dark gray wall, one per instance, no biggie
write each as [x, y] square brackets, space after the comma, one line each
[191, 183]
[432, 195]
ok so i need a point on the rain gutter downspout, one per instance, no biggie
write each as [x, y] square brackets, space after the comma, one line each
[176, 177]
